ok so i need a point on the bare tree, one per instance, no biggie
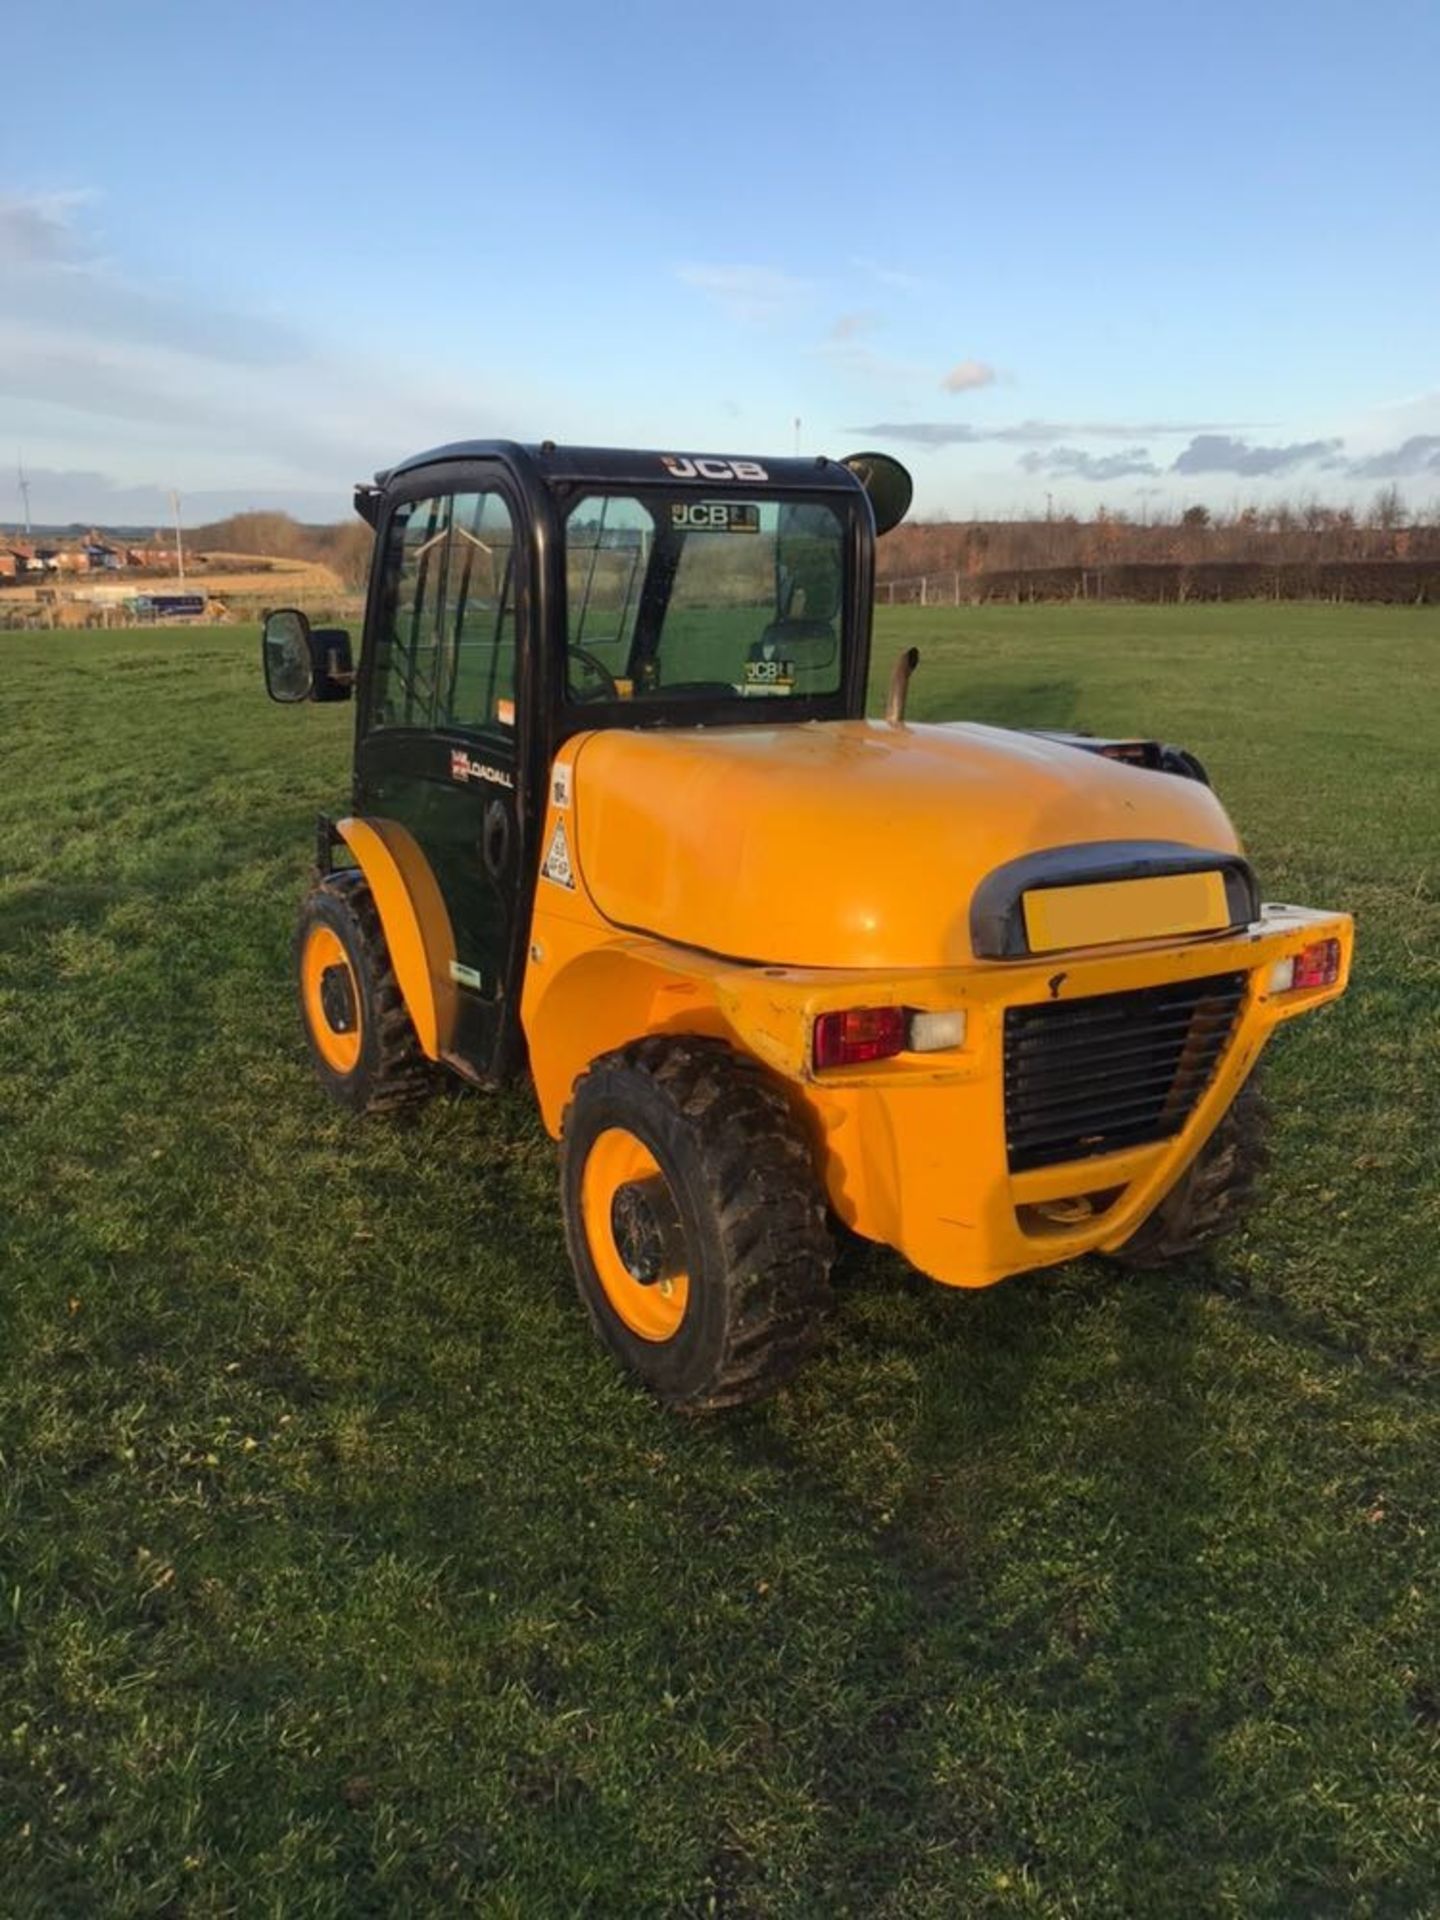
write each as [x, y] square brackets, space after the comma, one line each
[1387, 509]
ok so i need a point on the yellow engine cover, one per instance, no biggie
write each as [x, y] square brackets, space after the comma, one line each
[857, 844]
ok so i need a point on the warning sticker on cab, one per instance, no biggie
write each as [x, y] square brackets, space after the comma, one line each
[557, 866]
[769, 676]
[714, 516]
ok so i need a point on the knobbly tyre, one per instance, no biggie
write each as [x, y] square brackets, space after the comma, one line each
[618, 823]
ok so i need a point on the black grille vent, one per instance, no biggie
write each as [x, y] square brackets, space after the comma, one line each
[1118, 1070]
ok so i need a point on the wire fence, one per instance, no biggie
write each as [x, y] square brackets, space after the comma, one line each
[1386, 582]
[952, 587]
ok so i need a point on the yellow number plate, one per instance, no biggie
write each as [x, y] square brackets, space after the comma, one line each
[1115, 910]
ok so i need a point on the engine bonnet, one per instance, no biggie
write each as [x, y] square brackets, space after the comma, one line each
[851, 843]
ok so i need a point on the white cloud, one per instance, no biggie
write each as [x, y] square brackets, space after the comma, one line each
[747, 293]
[1072, 463]
[1417, 457]
[1222, 453]
[968, 375]
[895, 277]
[958, 433]
[147, 379]
[847, 348]
[850, 326]
[38, 228]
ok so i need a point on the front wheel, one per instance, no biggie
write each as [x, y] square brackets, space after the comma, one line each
[361, 1038]
[1213, 1193]
[695, 1221]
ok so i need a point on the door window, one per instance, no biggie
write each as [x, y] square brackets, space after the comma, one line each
[445, 655]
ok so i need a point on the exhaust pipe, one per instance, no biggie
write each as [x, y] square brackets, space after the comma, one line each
[900, 685]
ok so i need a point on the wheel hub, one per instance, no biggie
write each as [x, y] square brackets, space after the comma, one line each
[647, 1232]
[337, 999]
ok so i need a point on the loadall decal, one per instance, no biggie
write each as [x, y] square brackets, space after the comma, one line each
[464, 769]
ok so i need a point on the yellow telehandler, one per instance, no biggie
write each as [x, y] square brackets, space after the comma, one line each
[619, 822]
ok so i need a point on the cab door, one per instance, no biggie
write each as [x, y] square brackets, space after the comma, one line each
[437, 728]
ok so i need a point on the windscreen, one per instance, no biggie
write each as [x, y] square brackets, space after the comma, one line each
[675, 596]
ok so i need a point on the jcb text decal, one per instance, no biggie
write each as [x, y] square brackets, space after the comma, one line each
[697, 466]
[715, 516]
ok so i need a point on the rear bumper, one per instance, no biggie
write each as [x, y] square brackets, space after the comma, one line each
[914, 1150]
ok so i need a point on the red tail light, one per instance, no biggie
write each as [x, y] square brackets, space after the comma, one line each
[1318, 966]
[861, 1033]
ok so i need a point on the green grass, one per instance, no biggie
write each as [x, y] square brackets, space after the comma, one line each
[341, 1574]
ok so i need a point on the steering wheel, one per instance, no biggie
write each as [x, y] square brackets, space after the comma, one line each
[609, 688]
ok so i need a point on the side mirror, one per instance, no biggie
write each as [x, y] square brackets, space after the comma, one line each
[302, 662]
[285, 654]
[888, 484]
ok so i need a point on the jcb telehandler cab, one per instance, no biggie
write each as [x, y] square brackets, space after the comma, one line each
[618, 821]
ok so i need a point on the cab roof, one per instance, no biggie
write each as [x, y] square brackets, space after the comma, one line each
[636, 467]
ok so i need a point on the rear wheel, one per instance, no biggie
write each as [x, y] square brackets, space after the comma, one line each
[695, 1222]
[1212, 1195]
[361, 1037]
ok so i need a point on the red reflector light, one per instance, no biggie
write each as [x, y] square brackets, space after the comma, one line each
[1318, 966]
[861, 1033]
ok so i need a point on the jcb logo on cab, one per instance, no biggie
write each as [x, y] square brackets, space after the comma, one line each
[688, 466]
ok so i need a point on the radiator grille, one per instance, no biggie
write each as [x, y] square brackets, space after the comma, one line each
[1117, 1070]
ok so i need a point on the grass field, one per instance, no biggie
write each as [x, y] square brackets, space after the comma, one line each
[340, 1573]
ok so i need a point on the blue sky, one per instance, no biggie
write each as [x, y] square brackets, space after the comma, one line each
[1130, 254]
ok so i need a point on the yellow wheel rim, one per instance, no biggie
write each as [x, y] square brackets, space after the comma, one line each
[330, 994]
[619, 1169]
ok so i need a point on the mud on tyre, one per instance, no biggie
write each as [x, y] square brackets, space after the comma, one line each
[359, 1032]
[695, 1221]
[1210, 1198]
